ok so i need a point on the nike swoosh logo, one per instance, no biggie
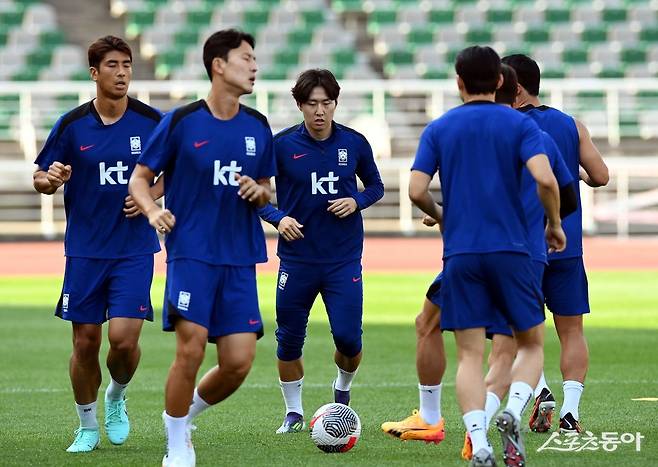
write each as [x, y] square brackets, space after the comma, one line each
[84, 148]
[252, 322]
[143, 308]
[198, 144]
[299, 156]
[356, 279]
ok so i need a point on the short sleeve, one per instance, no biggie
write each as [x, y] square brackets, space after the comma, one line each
[161, 147]
[427, 155]
[531, 142]
[54, 149]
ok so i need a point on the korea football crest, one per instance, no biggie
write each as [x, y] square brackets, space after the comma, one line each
[250, 145]
[283, 279]
[135, 145]
[342, 157]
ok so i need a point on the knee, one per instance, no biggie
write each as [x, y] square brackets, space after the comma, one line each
[190, 355]
[86, 346]
[237, 369]
[289, 345]
[123, 344]
[349, 344]
[427, 322]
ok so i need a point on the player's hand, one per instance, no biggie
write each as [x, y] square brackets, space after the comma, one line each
[130, 208]
[58, 174]
[290, 229]
[556, 239]
[161, 220]
[250, 190]
[342, 207]
[429, 221]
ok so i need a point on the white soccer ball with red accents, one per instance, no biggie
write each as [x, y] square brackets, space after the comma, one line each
[335, 428]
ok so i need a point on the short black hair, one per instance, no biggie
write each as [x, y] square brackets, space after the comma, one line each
[310, 79]
[506, 94]
[527, 72]
[221, 43]
[101, 47]
[479, 69]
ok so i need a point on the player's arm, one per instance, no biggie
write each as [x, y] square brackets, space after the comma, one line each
[257, 192]
[590, 159]
[288, 227]
[139, 188]
[157, 191]
[47, 182]
[430, 221]
[549, 195]
[419, 194]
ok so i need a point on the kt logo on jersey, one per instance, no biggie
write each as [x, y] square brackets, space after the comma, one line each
[106, 174]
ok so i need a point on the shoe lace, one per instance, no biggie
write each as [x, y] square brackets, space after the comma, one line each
[115, 410]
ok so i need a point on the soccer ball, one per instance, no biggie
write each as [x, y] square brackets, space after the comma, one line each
[335, 428]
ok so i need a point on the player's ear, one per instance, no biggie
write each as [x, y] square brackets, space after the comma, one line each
[501, 80]
[460, 83]
[93, 72]
[218, 65]
[519, 89]
[299, 105]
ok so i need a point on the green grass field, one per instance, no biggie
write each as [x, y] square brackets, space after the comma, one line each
[38, 418]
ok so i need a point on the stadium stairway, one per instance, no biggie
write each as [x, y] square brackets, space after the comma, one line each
[84, 23]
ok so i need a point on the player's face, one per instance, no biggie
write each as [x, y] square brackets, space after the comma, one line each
[113, 74]
[318, 110]
[239, 69]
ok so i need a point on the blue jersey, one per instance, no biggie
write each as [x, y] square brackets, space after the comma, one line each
[200, 156]
[564, 132]
[102, 158]
[479, 149]
[311, 173]
[534, 211]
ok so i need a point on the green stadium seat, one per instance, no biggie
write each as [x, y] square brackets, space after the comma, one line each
[313, 17]
[400, 57]
[594, 34]
[633, 55]
[287, 57]
[28, 73]
[575, 54]
[421, 35]
[11, 18]
[200, 16]
[499, 15]
[80, 75]
[379, 17]
[553, 73]
[4, 32]
[441, 16]
[649, 34]
[187, 37]
[437, 73]
[166, 62]
[537, 34]
[41, 57]
[52, 38]
[275, 72]
[609, 72]
[614, 15]
[557, 15]
[256, 17]
[300, 37]
[343, 57]
[341, 6]
[591, 100]
[137, 21]
[479, 35]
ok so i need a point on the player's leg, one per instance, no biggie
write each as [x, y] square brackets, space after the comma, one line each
[499, 376]
[342, 293]
[426, 424]
[296, 289]
[83, 302]
[129, 304]
[565, 286]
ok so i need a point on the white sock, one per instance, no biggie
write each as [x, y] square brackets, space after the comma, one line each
[87, 415]
[344, 379]
[572, 392]
[197, 406]
[491, 407]
[115, 391]
[475, 425]
[519, 395]
[176, 428]
[541, 385]
[430, 403]
[292, 395]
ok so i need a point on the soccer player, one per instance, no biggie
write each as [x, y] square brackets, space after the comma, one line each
[565, 280]
[109, 246]
[430, 350]
[479, 149]
[321, 236]
[217, 159]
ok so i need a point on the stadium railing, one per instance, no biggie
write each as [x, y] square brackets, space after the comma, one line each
[628, 205]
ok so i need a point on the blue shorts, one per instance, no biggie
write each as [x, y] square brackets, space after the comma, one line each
[222, 299]
[565, 287]
[341, 287]
[433, 293]
[500, 325]
[475, 286]
[96, 290]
